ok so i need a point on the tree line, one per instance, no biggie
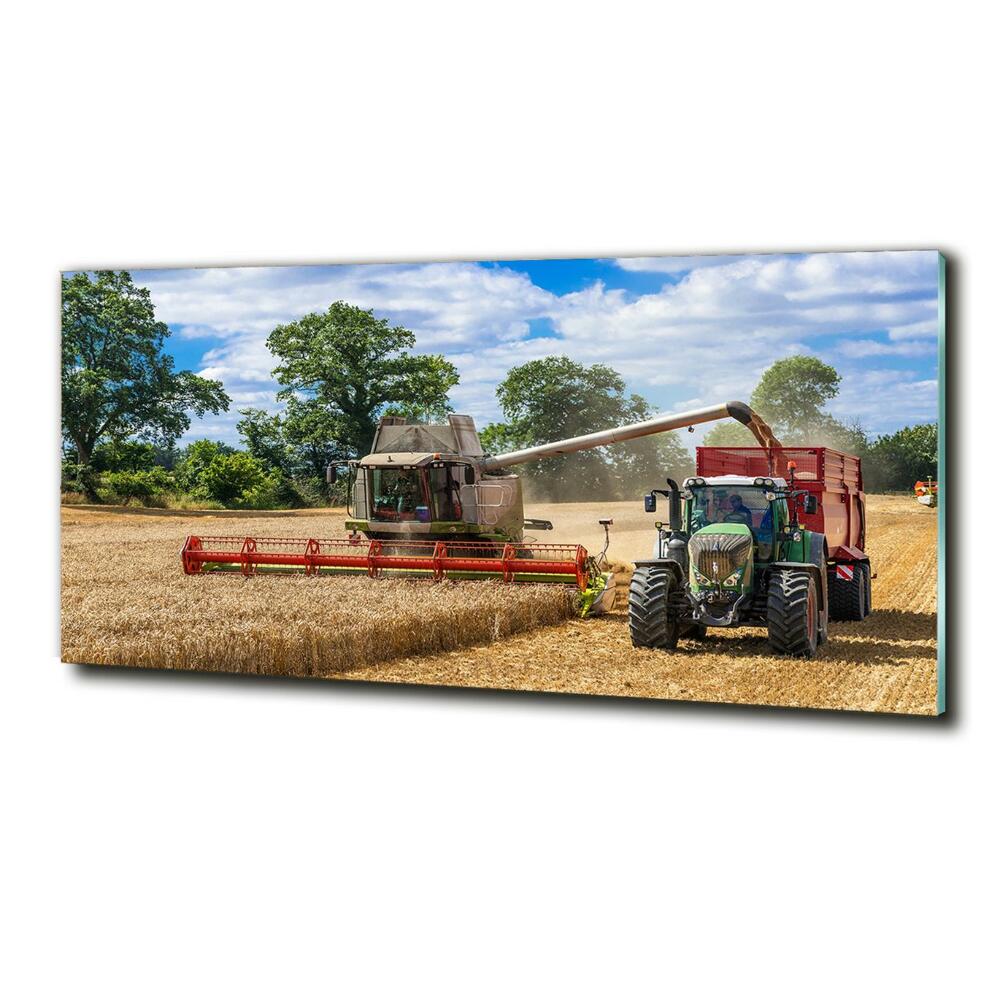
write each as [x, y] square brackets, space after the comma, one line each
[124, 408]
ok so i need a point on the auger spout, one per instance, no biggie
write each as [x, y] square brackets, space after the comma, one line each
[665, 422]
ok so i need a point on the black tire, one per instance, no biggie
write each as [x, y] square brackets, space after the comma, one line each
[847, 597]
[793, 612]
[867, 570]
[650, 621]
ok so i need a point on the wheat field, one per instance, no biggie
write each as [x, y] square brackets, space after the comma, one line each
[126, 602]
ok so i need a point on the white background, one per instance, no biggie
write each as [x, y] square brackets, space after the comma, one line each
[206, 837]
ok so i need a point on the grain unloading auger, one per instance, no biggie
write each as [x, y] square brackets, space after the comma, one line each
[428, 502]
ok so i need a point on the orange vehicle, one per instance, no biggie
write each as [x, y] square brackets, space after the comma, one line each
[925, 490]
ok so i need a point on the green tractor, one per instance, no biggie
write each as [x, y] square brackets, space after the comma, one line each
[733, 554]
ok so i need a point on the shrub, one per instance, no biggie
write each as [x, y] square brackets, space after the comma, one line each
[232, 478]
[198, 456]
[145, 487]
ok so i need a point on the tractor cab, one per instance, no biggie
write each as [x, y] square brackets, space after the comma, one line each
[755, 502]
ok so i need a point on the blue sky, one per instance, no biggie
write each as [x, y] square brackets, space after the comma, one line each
[683, 331]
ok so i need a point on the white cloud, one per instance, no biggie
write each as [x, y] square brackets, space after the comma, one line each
[706, 338]
[673, 265]
[876, 348]
[921, 328]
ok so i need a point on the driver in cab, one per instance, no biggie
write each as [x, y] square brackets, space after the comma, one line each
[738, 512]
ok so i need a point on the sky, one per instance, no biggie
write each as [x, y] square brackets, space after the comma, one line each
[683, 331]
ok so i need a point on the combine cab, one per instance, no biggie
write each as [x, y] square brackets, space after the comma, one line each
[429, 503]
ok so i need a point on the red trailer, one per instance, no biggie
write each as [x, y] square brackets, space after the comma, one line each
[834, 478]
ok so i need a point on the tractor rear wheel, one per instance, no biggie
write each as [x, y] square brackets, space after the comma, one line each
[793, 614]
[847, 597]
[650, 620]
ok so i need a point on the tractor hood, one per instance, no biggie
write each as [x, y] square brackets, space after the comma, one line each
[718, 551]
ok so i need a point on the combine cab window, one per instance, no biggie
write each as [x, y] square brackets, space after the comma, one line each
[399, 494]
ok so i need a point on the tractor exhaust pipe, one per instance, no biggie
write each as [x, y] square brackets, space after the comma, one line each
[614, 435]
[674, 508]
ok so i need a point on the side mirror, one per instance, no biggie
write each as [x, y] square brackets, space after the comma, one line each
[331, 473]
[649, 502]
[810, 504]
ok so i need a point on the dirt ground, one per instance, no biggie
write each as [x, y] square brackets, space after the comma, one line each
[888, 663]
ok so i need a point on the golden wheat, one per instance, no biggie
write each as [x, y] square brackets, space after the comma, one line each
[125, 601]
[887, 663]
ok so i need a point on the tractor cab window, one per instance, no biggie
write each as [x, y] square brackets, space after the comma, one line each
[399, 494]
[738, 505]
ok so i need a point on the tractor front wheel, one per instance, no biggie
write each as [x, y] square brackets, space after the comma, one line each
[793, 615]
[650, 620]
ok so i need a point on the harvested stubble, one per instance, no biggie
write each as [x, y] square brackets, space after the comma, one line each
[126, 602]
[147, 613]
[887, 663]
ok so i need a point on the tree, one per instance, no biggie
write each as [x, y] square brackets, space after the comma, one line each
[896, 461]
[349, 366]
[263, 435]
[554, 398]
[197, 457]
[790, 396]
[143, 485]
[315, 437]
[123, 456]
[229, 477]
[116, 381]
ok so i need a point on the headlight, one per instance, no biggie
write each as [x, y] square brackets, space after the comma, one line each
[699, 576]
[733, 580]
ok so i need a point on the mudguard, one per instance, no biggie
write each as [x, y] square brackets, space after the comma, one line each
[675, 567]
[816, 566]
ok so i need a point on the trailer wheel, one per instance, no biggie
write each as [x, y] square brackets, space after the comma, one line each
[793, 612]
[847, 597]
[650, 621]
[867, 570]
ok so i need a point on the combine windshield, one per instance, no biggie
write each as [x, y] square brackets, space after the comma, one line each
[429, 493]
[737, 505]
[399, 494]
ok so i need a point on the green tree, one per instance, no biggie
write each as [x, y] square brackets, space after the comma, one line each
[263, 435]
[197, 457]
[896, 461]
[116, 381]
[124, 456]
[144, 485]
[229, 477]
[790, 396]
[554, 398]
[350, 366]
[314, 436]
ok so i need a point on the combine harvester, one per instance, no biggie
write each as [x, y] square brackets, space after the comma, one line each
[428, 502]
[926, 492]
